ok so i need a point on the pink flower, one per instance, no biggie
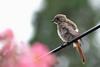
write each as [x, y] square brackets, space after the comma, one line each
[8, 51]
[40, 57]
[14, 54]
[26, 56]
[8, 33]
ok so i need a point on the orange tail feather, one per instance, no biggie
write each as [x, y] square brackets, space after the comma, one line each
[77, 45]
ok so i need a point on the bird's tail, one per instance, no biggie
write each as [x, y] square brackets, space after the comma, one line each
[77, 46]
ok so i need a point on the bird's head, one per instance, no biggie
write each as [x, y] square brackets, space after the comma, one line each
[59, 18]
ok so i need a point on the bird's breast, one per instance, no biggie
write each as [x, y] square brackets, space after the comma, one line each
[64, 34]
[61, 34]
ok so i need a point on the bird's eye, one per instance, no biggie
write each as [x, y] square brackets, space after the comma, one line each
[57, 18]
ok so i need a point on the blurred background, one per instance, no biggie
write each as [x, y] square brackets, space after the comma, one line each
[31, 22]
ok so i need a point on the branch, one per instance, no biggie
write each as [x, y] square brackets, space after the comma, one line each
[75, 39]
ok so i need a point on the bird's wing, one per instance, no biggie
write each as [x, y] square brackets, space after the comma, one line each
[72, 31]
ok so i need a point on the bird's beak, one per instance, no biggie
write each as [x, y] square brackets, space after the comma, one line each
[52, 20]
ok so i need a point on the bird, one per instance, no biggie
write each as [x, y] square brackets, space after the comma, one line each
[67, 30]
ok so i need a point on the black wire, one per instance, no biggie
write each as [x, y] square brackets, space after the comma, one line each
[75, 39]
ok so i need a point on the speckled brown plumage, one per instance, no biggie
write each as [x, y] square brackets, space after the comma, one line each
[67, 30]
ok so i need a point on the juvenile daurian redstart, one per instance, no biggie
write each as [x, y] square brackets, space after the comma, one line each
[67, 30]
